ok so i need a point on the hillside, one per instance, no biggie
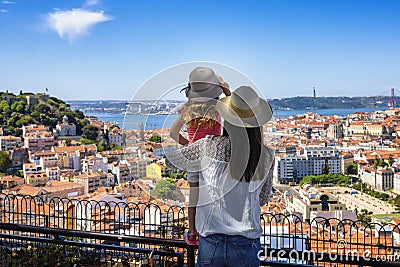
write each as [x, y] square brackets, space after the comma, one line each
[301, 102]
[28, 108]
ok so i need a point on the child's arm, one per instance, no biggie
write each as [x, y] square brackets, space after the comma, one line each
[174, 133]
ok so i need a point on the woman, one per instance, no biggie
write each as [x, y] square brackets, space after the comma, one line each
[235, 176]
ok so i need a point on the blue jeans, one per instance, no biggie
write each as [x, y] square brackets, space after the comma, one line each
[219, 250]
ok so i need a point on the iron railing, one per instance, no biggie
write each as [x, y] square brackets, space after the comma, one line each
[67, 232]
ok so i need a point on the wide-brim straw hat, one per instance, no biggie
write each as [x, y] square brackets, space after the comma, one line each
[204, 83]
[244, 108]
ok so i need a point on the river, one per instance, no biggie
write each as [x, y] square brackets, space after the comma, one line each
[133, 121]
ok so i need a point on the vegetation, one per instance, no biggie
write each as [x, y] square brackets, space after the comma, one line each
[180, 175]
[380, 163]
[67, 141]
[365, 217]
[305, 102]
[352, 169]
[16, 112]
[164, 189]
[103, 146]
[5, 161]
[326, 179]
[90, 132]
[367, 190]
[155, 138]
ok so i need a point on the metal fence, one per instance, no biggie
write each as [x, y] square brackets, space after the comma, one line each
[73, 232]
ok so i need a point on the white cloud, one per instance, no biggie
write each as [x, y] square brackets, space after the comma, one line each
[71, 24]
[91, 2]
[3, 10]
[8, 2]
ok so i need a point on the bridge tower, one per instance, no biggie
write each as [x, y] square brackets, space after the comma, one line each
[392, 101]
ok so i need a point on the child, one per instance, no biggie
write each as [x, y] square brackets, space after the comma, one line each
[201, 119]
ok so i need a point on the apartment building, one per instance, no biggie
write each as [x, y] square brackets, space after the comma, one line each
[95, 163]
[89, 182]
[34, 128]
[121, 171]
[157, 170]
[314, 161]
[93, 181]
[396, 183]
[9, 142]
[138, 167]
[53, 173]
[116, 136]
[36, 179]
[37, 141]
[36, 156]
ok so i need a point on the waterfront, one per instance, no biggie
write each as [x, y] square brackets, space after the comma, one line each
[133, 121]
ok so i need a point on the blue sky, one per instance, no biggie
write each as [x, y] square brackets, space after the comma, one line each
[105, 49]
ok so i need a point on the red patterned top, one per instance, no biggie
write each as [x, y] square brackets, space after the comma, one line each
[196, 133]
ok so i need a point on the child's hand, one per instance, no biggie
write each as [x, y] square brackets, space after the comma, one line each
[225, 88]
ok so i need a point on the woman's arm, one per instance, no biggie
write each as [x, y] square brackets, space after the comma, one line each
[187, 158]
[267, 186]
[175, 129]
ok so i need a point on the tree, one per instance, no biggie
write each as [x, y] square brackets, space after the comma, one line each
[90, 132]
[391, 160]
[164, 189]
[352, 169]
[5, 161]
[155, 138]
[67, 141]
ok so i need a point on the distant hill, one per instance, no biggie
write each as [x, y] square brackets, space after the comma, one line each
[301, 102]
[29, 108]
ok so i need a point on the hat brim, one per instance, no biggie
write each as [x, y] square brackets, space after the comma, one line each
[212, 91]
[261, 117]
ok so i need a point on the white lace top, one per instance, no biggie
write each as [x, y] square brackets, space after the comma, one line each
[226, 205]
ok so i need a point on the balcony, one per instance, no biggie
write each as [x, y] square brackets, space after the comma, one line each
[68, 232]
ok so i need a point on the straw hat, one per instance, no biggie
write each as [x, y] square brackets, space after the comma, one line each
[203, 83]
[244, 108]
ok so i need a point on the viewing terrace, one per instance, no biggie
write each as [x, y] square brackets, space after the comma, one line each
[68, 232]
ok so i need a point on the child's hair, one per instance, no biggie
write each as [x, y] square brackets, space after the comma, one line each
[197, 114]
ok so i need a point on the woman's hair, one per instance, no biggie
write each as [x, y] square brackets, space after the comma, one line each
[240, 147]
[198, 114]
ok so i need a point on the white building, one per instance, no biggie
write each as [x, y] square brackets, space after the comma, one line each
[65, 128]
[382, 179]
[116, 136]
[313, 199]
[53, 173]
[95, 163]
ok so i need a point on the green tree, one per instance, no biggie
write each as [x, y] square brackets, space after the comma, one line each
[352, 169]
[5, 161]
[155, 138]
[326, 179]
[102, 146]
[90, 132]
[391, 160]
[164, 189]
[67, 141]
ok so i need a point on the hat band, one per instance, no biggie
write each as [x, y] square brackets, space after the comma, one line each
[244, 113]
